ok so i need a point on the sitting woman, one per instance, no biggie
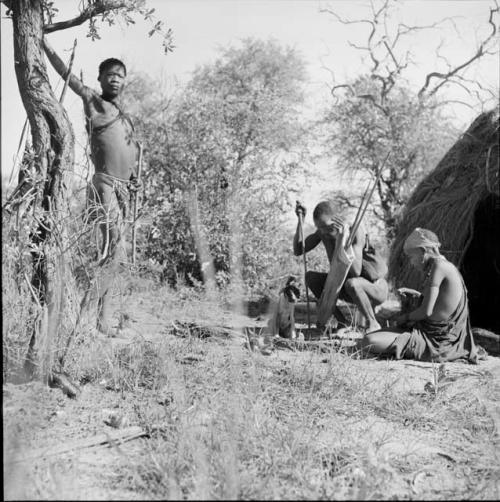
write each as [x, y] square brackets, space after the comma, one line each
[439, 329]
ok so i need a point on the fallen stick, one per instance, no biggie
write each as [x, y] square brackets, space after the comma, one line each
[120, 436]
[321, 345]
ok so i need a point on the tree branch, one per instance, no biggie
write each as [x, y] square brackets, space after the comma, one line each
[99, 7]
[452, 72]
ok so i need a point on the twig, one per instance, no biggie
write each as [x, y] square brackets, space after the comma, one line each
[32, 291]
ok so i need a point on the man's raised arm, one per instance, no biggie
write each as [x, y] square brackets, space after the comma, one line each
[75, 83]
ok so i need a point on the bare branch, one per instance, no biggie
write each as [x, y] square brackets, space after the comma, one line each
[341, 86]
[481, 51]
[404, 29]
[391, 53]
[344, 21]
[99, 7]
[450, 101]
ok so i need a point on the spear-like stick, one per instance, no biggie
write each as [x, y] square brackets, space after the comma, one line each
[365, 202]
[303, 242]
[136, 195]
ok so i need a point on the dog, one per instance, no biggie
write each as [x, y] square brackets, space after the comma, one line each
[282, 322]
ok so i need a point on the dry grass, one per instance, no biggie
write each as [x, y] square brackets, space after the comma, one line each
[237, 425]
[227, 423]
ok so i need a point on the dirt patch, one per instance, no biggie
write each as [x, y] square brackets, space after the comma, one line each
[237, 424]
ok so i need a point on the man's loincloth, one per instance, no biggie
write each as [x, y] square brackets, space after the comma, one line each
[439, 341]
[119, 198]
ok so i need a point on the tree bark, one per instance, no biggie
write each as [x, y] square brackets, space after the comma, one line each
[53, 147]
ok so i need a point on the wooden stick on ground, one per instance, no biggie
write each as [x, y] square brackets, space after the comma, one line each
[119, 436]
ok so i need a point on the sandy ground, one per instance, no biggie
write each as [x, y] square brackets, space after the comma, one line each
[38, 418]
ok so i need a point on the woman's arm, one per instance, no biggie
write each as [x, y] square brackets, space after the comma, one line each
[430, 295]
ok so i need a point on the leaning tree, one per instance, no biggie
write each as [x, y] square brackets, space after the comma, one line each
[41, 191]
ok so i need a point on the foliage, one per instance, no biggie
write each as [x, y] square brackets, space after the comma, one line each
[361, 135]
[222, 155]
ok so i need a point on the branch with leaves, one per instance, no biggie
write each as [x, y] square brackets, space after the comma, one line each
[107, 11]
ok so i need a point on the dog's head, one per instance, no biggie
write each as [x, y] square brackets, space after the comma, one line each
[291, 290]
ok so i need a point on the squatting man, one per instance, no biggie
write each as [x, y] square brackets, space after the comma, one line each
[331, 230]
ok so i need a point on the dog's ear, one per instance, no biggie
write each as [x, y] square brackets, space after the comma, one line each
[292, 292]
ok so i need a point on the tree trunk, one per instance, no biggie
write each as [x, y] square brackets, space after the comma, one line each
[53, 143]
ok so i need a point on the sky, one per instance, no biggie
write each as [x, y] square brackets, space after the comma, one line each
[202, 27]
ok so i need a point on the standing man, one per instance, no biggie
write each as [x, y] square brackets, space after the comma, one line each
[363, 292]
[114, 152]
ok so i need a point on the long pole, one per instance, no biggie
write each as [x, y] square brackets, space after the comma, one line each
[136, 195]
[303, 242]
[365, 202]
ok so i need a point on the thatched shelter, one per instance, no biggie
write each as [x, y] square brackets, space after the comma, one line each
[460, 201]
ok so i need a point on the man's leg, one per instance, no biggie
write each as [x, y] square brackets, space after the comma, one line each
[365, 294]
[108, 219]
[124, 224]
[316, 283]
[106, 274]
[107, 267]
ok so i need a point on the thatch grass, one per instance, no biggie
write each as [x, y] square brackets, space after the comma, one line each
[445, 201]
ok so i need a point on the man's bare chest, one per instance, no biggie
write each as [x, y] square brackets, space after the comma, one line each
[100, 112]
